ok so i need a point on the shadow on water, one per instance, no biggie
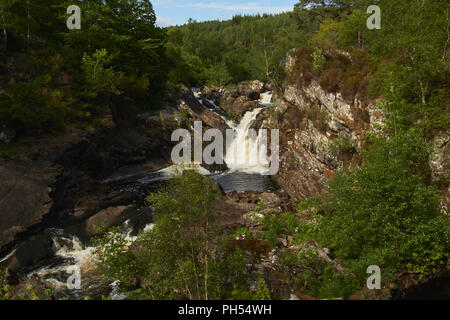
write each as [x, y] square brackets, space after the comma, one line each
[241, 182]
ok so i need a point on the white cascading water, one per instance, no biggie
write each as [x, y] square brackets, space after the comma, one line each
[266, 99]
[74, 253]
[243, 155]
[247, 153]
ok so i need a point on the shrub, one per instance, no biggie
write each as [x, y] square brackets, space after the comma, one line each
[184, 255]
[302, 71]
[262, 292]
[384, 210]
[318, 60]
[26, 108]
[330, 79]
[341, 145]
[319, 117]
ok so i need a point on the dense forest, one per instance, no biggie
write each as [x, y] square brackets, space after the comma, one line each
[120, 56]
[385, 212]
[61, 76]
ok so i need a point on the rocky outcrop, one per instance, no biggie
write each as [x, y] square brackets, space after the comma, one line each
[70, 182]
[440, 168]
[238, 100]
[198, 111]
[313, 123]
[105, 218]
[25, 196]
[236, 105]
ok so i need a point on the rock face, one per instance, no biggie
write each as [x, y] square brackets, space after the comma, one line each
[312, 122]
[236, 105]
[25, 196]
[236, 101]
[105, 218]
[70, 183]
[197, 111]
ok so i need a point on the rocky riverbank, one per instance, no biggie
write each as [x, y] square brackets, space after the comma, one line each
[82, 179]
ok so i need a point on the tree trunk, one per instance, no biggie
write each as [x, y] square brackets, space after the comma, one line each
[423, 92]
[5, 33]
[195, 270]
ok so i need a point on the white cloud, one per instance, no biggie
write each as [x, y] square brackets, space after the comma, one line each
[251, 7]
[163, 22]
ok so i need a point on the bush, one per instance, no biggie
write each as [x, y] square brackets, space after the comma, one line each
[302, 71]
[341, 145]
[384, 210]
[318, 60]
[184, 255]
[331, 79]
[319, 117]
[26, 108]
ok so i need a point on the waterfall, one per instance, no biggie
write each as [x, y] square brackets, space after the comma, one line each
[70, 252]
[266, 99]
[247, 152]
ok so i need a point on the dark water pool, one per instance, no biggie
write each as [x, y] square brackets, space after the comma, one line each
[241, 182]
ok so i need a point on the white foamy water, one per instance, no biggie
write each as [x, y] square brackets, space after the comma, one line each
[174, 170]
[70, 252]
[266, 98]
[180, 168]
[248, 151]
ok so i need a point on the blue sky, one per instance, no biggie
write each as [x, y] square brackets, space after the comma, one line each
[173, 12]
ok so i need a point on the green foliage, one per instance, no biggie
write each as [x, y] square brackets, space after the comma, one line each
[319, 278]
[113, 252]
[98, 77]
[341, 145]
[318, 60]
[25, 107]
[99, 82]
[274, 225]
[183, 256]
[327, 36]
[329, 284]
[262, 292]
[242, 231]
[272, 228]
[384, 210]
[58, 76]
[240, 49]
[5, 288]
[8, 292]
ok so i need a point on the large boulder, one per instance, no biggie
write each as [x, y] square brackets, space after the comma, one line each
[197, 111]
[251, 90]
[25, 196]
[236, 105]
[107, 218]
[29, 253]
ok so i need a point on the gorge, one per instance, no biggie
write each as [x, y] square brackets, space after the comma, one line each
[276, 156]
[305, 167]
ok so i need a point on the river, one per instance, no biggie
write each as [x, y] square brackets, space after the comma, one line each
[69, 251]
